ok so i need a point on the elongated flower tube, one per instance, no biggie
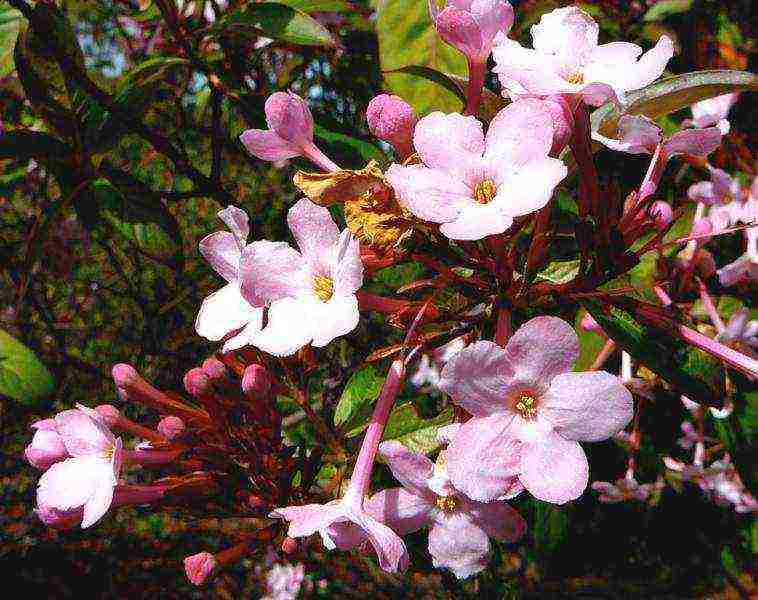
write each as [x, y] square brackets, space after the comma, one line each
[335, 520]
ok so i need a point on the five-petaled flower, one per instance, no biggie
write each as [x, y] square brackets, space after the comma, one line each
[529, 413]
[310, 293]
[474, 186]
[567, 59]
[459, 528]
[86, 480]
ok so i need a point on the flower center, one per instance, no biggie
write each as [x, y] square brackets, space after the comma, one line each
[526, 405]
[447, 504]
[109, 452]
[575, 78]
[323, 287]
[485, 191]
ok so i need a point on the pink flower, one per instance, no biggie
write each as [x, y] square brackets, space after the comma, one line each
[745, 268]
[47, 446]
[428, 370]
[226, 313]
[473, 185]
[390, 118]
[720, 190]
[199, 566]
[529, 413]
[459, 528]
[86, 480]
[741, 330]
[283, 582]
[290, 132]
[712, 111]
[624, 489]
[472, 25]
[310, 293]
[567, 59]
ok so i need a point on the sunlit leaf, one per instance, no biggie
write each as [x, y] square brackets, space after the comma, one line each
[22, 376]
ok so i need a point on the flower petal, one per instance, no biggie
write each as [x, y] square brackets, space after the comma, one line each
[459, 29]
[457, 544]
[530, 187]
[310, 518]
[400, 510]
[493, 17]
[652, 64]
[478, 377]
[476, 221]
[98, 504]
[430, 194]
[267, 145]
[390, 549]
[225, 311]
[590, 406]
[498, 520]
[450, 142]
[695, 142]
[81, 434]
[554, 469]
[332, 319]
[289, 328]
[410, 469]
[238, 223]
[313, 228]
[522, 131]
[347, 273]
[541, 349]
[270, 271]
[565, 31]
[223, 253]
[483, 458]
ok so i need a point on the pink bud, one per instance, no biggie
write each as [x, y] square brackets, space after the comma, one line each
[109, 413]
[214, 369]
[171, 427]
[391, 119]
[289, 545]
[199, 566]
[256, 381]
[472, 29]
[197, 383]
[661, 214]
[47, 448]
[124, 375]
[288, 116]
[588, 323]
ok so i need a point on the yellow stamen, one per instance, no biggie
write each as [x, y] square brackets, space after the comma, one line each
[323, 288]
[485, 191]
[527, 406]
[447, 503]
[576, 78]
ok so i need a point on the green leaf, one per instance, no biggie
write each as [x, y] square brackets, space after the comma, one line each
[361, 391]
[666, 8]
[551, 527]
[559, 271]
[415, 433]
[407, 37]
[10, 23]
[346, 149]
[590, 344]
[672, 94]
[310, 6]
[22, 376]
[659, 352]
[276, 21]
[433, 76]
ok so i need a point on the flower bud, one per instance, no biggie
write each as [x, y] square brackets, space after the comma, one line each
[199, 566]
[197, 383]
[391, 119]
[661, 214]
[109, 413]
[588, 323]
[289, 545]
[256, 381]
[47, 448]
[214, 369]
[472, 30]
[171, 427]
[288, 116]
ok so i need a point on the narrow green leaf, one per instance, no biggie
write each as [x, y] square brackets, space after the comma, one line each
[407, 37]
[559, 271]
[361, 390]
[347, 150]
[672, 94]
[433, 76]
[22, 376]
[276, 21]
[415, 433]
[666, 8]
[311, 6]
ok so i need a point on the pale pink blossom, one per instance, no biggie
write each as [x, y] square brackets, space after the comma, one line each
[474, 186]
[717, 413]
[310, 293]
[745, 268]
[283, 582]
[626, 488]
[47, 447]
[529, 413]
[720, 190]
[198, 567]
[290, 132]
[567, 59]
[741, 330]
[712, 111]
[226, 314]
[345, 523]
[86, 480]
[459, 528]
[472, 25]
[390, 118]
